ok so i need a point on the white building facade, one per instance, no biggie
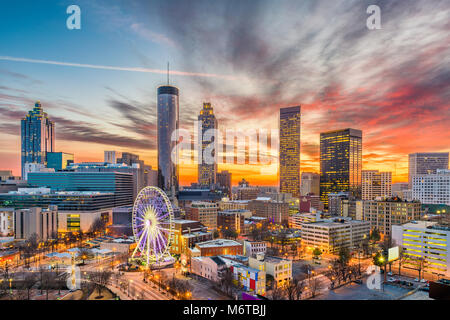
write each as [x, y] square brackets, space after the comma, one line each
[432, 188]
[428, 240]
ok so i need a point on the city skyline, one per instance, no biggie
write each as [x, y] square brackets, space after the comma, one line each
[397, 94]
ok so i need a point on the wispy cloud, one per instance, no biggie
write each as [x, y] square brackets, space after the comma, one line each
[152, 36]
[131, 69]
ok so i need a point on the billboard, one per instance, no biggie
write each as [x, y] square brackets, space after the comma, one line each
[393, 254]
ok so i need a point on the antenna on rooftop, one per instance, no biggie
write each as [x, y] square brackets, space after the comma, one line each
[168, 72]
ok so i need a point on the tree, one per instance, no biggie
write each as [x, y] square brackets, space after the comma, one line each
[375, 235]
[28, 282]
[344, 255]
[316, 253]
[85, 254]
[100, 279]
[277, 293]
[230, 233]
[98, 226]
[227, 280]
[294, 289]
[48, 281]
[380, 260]
[314, 286]
[419, 263]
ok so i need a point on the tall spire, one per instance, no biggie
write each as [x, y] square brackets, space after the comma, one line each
[168, 73]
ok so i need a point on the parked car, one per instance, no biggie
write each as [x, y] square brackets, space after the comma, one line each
[389, 274]
[423, 280]
[416, 279]
[391, 280]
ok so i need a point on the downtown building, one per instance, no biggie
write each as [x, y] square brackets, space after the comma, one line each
[232, 220]
[167, 124]
[207, 156]
[289, 150]
[224, 181]
[216, 247]
[280, 269]
[142, 176]
[340, 163]
[426, 163]
[59, 160]
[310, 184]
[77, 210]
[117, 183]
[276, 212]
[332, 235]
[427, 240]
[383, 214]
[186, 233]
[205, 212]
[376, 184]
[42, 222]
[6, 222]
[37, 137]
[433, 188]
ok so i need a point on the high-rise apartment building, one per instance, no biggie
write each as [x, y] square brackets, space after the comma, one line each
[168, 124]
[340, 163]
[37, 137]
[426, 163]
[433, 188]
[376, 184]
[207, 146]
[384, 214]
[310, 183]
[289, 150]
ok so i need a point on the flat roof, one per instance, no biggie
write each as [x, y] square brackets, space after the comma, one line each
[218, 243]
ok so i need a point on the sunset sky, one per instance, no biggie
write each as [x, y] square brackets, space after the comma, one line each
[248, 58]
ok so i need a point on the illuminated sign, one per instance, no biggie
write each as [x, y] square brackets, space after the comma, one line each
[393, 254]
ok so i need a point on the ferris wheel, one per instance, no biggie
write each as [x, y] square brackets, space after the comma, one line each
[152, 222]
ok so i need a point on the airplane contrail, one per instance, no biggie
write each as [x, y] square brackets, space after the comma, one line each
[132, 69]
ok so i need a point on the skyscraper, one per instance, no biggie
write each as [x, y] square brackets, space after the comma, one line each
[340, 162]
[168, 122]
[37, 135]
[207, 146]
[289, 152]
[426, 163]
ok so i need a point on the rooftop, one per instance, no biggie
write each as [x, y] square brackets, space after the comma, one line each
[218, 243]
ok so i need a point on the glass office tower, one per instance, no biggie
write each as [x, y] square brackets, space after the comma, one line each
[340, 163]
[168, 122]
[59, 160]
[207, 171]
[289, 150]
[37, 137]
